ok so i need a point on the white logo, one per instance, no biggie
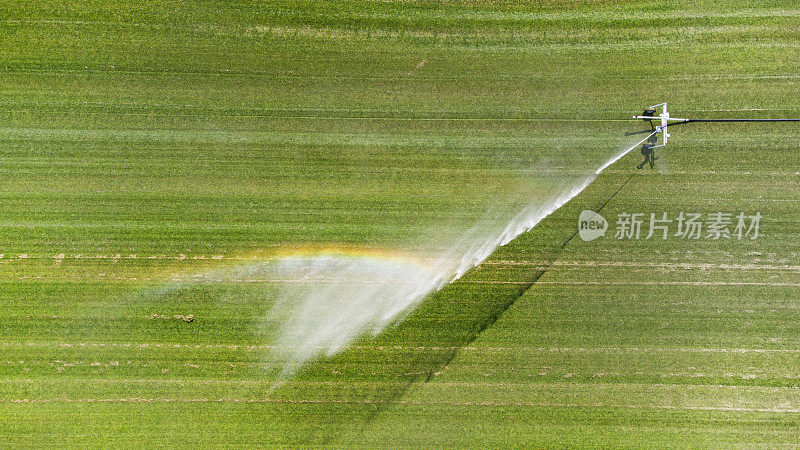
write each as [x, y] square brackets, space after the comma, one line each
[591, 225]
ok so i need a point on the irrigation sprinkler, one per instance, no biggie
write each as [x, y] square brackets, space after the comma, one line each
[659, 119]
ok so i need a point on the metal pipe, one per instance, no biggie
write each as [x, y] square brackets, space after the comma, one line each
[733, 120]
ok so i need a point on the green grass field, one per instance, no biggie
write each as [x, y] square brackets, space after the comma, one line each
[147, 142]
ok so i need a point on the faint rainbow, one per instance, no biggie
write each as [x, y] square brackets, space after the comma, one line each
[341, 251]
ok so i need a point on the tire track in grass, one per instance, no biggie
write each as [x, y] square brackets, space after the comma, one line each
[487, 404]
[256, 348]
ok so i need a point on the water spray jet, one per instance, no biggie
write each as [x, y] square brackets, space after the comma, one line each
[321, 319]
